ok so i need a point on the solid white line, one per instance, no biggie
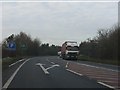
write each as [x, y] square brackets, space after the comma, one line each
[98, 67]
[45, 70]
[74, 72]
[106, 85]
[16, 62]
[11, 78]
[108, 81]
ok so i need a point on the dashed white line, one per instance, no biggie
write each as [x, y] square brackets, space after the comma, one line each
[106, 85]
[11, 78]
[52, 62]
[74, 72]
[47, 60]
[67, 65]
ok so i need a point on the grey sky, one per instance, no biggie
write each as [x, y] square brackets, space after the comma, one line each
[55, 22]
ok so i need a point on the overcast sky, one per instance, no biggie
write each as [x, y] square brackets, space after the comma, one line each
[56, 22]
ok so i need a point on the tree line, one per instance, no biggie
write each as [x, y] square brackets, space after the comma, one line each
[103, 46]
[26, 46]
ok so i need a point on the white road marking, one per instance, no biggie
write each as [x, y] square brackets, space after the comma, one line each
[66, 65]
[47, 60]
[98, 67]
[52, 62]
[45, 71]
[108, 81]
[11, 78]
[74, 72]
[106, 85]
[16, 62]
[53, 66]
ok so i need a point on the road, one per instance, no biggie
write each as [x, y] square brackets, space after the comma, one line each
[53, 72]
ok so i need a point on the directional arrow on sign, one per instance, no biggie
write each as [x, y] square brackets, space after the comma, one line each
[45, 69]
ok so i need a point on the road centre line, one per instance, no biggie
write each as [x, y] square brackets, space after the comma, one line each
[12, 77]
[74, 72]
[67, 65]
[106, 85]
[52, 62]
[16, 62]
[47, 60]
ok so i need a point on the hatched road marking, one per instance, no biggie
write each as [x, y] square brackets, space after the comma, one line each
[45, 69]
[97, 73]
[98, 67]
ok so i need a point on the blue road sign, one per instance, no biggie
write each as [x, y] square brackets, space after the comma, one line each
[11, 46]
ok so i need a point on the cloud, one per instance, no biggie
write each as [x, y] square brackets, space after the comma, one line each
[56, 22]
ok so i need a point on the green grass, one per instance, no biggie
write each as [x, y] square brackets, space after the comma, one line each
[86, 58]
[9, 60]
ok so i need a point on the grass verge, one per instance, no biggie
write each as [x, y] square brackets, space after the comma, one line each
[9, 60]
[87, 58]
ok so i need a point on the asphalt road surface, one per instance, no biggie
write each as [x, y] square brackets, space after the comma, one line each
[53, 72]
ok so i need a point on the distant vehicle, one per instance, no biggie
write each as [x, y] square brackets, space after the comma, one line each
[70, 50]
[59, 54]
